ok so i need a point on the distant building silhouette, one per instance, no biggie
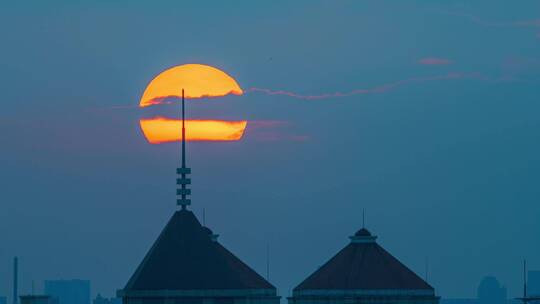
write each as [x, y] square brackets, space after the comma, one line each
[37, 299]
[363, 272]
[490, 291]
[68, 291]
[472, 301]
[102, 300]
[187, 264]
[533, 283]
[459, 301]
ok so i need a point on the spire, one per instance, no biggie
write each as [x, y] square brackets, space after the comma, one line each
[182, 181]
[427, 269]
[363, 218]
[268, 261]
[15, 280]
[524, 278]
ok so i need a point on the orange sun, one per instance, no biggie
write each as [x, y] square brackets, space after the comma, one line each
[198, 81]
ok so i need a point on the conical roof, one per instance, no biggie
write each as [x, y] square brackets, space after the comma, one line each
[184, 257]
[363, 265]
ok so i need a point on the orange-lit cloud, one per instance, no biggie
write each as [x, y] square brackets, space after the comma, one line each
[161, 130]
[197, 80]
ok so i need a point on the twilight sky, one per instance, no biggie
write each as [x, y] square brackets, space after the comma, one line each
[441, 150]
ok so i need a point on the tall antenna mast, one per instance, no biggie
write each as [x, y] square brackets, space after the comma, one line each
[268, 261]
[183, 132]
[427, 269]
[363, 218]
[15, 280]
[524, 278]
[183, 181]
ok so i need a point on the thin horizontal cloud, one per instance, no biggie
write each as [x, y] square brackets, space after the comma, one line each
[434, 61]
[383, 88]
[373, 90]
[267, 123]
[277, 136]
[273, 130]
[487, 23]
[528, 23]
[521, 62]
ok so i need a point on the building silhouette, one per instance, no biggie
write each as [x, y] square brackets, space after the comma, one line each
[533, 283]
[459, 301]
[102, 300]
[490, 291]
[188, 265]
[531, 286]
[68, 291]
[37, 299]
[363, 272]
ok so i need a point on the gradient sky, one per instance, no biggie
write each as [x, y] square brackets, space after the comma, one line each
[446, 163]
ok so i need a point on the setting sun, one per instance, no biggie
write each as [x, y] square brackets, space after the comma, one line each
[161, 130]
[198, 80]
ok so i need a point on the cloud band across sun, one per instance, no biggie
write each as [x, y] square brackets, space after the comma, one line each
[197, 80]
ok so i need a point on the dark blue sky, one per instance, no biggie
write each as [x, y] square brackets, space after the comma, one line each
[447, 168]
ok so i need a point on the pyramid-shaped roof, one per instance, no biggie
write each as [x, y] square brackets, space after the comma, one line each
[363, 265]
[184, 257]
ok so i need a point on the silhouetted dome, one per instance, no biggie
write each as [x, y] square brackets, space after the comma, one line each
[185, 257]
[363, 232]
[363, 265]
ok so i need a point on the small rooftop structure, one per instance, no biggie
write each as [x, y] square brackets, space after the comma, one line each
[363, 272]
